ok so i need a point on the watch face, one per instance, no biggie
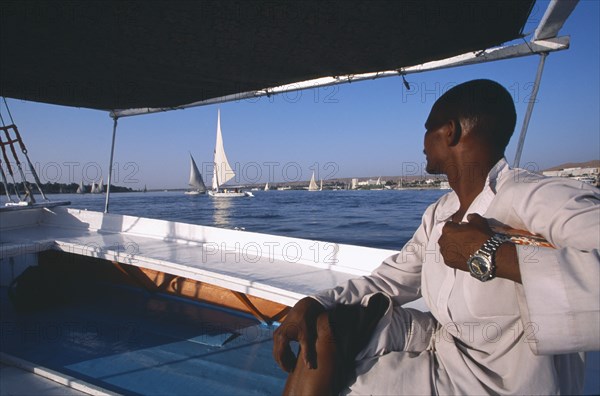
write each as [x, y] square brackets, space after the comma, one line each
[479, 266]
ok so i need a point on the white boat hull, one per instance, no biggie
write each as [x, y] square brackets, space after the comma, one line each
[276, 268]
[219, 194]
[194, 192]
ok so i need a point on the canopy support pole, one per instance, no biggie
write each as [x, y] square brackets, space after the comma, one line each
[110, 165]
[532, 101]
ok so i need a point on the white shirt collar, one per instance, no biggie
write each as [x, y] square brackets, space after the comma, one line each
[495, 175]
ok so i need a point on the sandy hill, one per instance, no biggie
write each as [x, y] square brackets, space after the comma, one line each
[588, 164]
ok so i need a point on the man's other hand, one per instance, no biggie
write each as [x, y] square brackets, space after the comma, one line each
[300, 325]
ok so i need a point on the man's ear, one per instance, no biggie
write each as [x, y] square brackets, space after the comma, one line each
[454, 132]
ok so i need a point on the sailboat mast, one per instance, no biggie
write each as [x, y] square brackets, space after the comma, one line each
[216, 178]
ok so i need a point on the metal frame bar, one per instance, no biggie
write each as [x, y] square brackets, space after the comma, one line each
[532, 100]
[554, 18]
[489, 55]
[110, 164]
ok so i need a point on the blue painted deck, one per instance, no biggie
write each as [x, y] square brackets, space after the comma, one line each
[131, 342]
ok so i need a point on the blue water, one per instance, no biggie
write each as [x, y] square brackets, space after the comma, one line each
[381, 219]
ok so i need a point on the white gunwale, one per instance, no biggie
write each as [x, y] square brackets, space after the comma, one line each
[276, 268]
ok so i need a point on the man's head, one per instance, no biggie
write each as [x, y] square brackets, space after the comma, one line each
[480, 111]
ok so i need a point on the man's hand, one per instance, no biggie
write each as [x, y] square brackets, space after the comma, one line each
[459, 241]
[299, 325]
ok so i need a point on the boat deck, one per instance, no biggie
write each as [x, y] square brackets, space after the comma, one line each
[127, 341]
[131, 342]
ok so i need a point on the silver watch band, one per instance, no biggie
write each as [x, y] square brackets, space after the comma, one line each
[491, 245]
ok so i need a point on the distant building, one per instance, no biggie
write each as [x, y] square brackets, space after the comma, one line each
[369, 182]
[589, 175]
[573, 172]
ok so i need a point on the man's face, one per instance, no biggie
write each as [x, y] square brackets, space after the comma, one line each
[434, 141]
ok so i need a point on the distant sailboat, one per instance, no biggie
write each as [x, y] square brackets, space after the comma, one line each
[378, 184]
[223, 172]
[93, 188]
[321, 186]
[196, 181]
[81, 189]
[267, 186]
[100, 187]
[312, 186]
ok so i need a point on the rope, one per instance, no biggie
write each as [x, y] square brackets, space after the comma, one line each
[5, 183]
[31, 167]
[9, 168]
[8, 111]
[11, 143]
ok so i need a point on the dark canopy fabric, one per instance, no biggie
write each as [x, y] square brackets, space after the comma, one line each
[132, 54]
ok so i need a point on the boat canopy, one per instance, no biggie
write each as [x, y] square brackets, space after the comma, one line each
[158, 55]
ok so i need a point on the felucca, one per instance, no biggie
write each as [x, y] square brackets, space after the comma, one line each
[196, 181]
[223, 171]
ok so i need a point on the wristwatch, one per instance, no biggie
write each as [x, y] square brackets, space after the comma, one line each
[482, 263]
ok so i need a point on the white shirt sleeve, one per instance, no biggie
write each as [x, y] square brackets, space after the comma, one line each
[559, 299]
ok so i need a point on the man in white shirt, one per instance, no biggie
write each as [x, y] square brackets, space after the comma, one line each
[504, 318]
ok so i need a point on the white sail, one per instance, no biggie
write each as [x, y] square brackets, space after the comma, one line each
[313, 184]
[80, 189]
[223, 172]
[378, 181]
[267, 186]
[93, 188]
[100, 188]
[321, 186]
[196, 177]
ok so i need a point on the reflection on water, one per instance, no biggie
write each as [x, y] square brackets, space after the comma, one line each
[222, 212]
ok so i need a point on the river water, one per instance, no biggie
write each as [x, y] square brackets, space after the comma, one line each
[381, 219]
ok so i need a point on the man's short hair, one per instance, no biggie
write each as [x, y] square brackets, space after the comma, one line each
[486, 106]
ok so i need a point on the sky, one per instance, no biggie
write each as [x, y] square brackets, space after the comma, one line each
[364, 129]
